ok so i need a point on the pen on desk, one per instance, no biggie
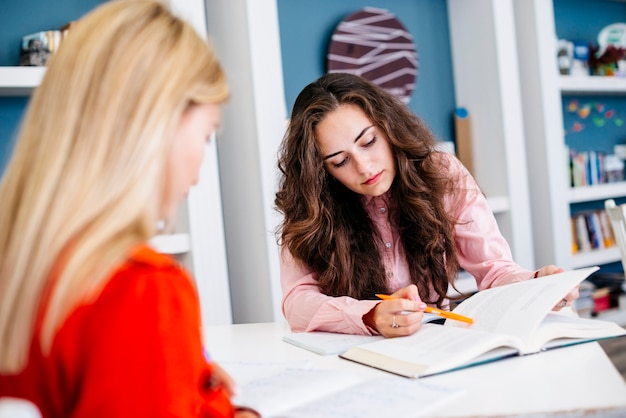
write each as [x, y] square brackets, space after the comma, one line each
[439, 312]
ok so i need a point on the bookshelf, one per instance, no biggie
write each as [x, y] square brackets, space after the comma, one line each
[550, 193]
[552, 198]
[197, 237]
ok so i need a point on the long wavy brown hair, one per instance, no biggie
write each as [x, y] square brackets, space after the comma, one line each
[325, 224]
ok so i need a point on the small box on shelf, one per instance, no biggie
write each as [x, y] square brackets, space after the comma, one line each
[603, 296]
[585, 305]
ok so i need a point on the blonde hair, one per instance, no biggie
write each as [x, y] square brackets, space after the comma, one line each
[86, 180]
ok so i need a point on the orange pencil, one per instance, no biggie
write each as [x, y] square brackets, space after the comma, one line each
[439, 312]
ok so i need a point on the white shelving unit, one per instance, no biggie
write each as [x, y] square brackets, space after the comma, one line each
[176, 244]
[599, 192]
[544, 88]
[550, 192]
[592, 85]
[19, 81]
[197, 239]
[486, 83]
[246, 38]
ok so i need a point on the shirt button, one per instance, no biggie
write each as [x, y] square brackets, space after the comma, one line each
[383, 210]
[388, 244]
[390, 274]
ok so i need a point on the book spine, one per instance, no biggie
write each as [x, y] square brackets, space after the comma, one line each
[582, 233]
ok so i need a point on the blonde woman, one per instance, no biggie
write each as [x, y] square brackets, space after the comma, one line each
[94, 322]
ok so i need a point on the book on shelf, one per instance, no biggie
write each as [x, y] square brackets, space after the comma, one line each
[607, 229]
[510, 320]
[595, 233]
[587, 168]
[297, 391]
[591, 230]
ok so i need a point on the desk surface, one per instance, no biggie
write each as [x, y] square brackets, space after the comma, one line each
[579, 380]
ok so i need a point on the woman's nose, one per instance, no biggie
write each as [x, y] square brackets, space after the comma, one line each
[362, 163]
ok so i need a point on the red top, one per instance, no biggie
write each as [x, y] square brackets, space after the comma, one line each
[136, 351]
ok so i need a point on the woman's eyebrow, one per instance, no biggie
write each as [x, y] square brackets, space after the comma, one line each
[355, 139]
[362, 133]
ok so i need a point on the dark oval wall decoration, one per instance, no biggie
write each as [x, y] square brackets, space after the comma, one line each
[374, 44]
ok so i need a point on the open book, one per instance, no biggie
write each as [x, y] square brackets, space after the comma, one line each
[299, 392]
[328, 343]
[511, 320]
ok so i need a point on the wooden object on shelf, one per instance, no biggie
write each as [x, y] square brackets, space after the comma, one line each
[463, 131]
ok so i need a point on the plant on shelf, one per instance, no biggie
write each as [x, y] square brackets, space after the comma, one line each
[607, 63]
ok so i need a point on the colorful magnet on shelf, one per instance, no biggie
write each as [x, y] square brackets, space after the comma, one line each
[584, 111]
[578, 127]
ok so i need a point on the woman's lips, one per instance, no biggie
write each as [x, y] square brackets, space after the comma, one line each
[373, 179]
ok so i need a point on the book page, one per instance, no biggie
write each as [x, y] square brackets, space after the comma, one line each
[314, 393]
[384, 397]
[568, 329]
[518, 308]
[326, 343]
[432, 349]
[244, 372]
[274, 395]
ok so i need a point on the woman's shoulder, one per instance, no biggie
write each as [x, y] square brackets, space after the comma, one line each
[149, 276]
[453, 167]
[446, 159]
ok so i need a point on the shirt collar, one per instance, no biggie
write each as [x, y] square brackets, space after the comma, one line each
[375, 202]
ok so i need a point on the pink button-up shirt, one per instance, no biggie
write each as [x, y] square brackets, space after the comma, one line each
[482, 251]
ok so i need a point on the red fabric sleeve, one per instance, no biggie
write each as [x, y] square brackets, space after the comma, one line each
[139, 349]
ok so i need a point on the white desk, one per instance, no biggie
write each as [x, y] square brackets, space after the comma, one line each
[568, 382]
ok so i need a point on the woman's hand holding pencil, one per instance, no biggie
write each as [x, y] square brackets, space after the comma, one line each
[402, 313]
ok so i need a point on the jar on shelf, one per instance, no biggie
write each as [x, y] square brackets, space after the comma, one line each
[614, 168]
[580, 61]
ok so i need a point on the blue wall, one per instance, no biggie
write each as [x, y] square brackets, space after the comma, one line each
[584, 19]
[602, 127]
[19, 18]
[11, 109]
[306, 27]
[305, 30]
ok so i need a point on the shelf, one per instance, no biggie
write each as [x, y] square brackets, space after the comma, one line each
[617, 315]
[466, 284]
[19, 81]
[597, 192]
[498, 204]
[592, 85]
[172, 243]
[596, 257]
